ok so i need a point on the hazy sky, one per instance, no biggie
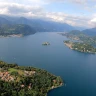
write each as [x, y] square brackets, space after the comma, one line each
[74, 12]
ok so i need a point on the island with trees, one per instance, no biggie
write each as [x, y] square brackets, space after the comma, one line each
[26, 81]
[46, 43]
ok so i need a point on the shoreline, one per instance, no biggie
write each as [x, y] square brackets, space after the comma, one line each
[14, 35]
[70, 46]
[25, 72]
[54, 88]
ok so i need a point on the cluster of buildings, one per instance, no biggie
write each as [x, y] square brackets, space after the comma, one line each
[6, 76]
[29, 73]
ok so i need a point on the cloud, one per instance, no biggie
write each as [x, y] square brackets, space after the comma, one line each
[34, 9]
[25, 2]
[16, 9]
[72, 1]
[93, 20]
[69, 19]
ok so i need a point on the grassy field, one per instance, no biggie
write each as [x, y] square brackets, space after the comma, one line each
[20, 73]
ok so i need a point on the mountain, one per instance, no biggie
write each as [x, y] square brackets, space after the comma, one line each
[90, 32]
[39, 25]
[11, 29]
[45, 26]
[4, 21]
[9, 18]
[75, 32]
[80, 28]
[81, 37]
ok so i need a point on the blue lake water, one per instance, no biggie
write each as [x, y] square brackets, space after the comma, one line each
[77, 69]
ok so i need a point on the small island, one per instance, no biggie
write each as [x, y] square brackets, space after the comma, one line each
[82, 47]
[26, 81]
[46, 43]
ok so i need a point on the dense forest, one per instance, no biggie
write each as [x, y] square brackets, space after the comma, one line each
[82, 47]
[26, 81]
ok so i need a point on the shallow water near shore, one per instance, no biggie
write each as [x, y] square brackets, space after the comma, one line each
[77, 69]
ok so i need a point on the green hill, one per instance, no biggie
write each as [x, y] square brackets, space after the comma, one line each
[26, 81]
[16, 29]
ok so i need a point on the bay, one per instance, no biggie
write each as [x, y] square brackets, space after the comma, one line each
[77, 69]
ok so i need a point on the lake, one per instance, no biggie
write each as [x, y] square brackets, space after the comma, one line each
[77, 69]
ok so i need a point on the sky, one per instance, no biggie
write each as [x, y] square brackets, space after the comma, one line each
[81, 13]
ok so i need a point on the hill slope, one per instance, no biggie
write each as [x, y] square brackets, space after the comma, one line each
[26, 81]
[4, 21]
[39, 25]
[90, 32]
[10, 29]
[45, 26]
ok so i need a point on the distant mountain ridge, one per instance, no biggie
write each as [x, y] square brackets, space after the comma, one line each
[90, 32]
[4, 21]
[38, 24]
[45, 26]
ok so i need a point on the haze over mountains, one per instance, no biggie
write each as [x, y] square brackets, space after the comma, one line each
[90, 32]
[37, 25]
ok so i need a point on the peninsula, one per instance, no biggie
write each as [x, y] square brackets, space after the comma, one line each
[26, 81]
[80, 42]
[82, 47]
